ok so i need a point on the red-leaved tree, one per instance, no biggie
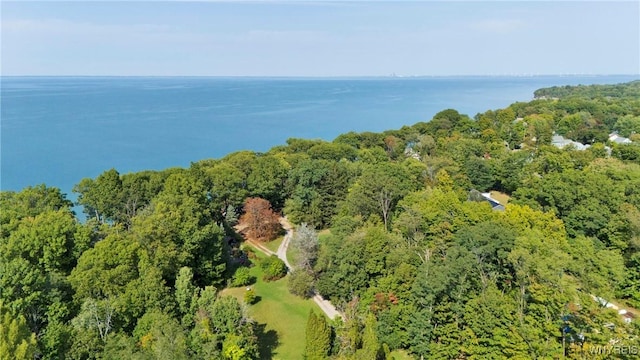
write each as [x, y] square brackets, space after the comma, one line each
[260, 222]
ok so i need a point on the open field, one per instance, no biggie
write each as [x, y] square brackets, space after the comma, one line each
[282, 316]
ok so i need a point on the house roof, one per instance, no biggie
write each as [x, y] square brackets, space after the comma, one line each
[560, 141]
[495, 204]
[619, 139]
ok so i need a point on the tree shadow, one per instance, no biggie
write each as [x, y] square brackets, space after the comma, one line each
[267, 341]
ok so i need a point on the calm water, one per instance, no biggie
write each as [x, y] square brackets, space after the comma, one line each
[59, 130]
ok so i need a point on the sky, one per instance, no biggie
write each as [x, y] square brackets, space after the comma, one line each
[319, 38]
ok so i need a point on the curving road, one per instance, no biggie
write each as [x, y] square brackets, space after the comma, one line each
[326, 306]
[284, 245]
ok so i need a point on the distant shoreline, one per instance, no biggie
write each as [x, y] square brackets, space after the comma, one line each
[346, 77]
[152, 123]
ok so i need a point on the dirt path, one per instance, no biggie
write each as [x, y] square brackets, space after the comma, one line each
[284, 245]
[260, 247]
[326, 306]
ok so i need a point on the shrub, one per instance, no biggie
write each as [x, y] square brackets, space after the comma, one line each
[274, 268]
[242, 277]
[301, 284]
[250, 296]
[251, 254]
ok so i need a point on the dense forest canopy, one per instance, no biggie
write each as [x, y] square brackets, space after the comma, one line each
[412, 253]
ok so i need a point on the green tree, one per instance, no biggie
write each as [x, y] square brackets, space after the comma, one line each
[17, 342]
[599, 270]
[490, 242]
[102, 197]
[628, 125]
[106, 269]
[510, 170]
[233, 327]
[491, 327]
[480, 173]
[371, 347]
[250, 296]
[96, 316]
[138, 189]
[29, 202]
[242, 277]
[232, 349]
[317, 338]
[161, 336]
[305, 202]
[579, 201]
[122, 346]
[182, 218]
[449, 120]
[300, 283]
[186, 293]
[274, 268]
[267, 179]
[540, 129]
[115, 271]
[48, 241]
[36, 255]
[440, 292]
[332, 152]
[377, 191]
[228, 186]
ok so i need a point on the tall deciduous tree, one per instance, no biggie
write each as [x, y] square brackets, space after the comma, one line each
[305, 241]
[378, 190]
[29, 202]
[38, 249]
[490, 329]
[17, 342]
[267, 179]
[628, 125]
[260, 220]
[102, 197]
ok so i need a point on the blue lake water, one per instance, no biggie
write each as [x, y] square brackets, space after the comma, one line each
[57, 130]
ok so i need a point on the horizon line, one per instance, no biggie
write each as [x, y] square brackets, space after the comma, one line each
[390, 76]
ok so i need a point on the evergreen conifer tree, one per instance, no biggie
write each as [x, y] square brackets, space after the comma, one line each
[318, 338]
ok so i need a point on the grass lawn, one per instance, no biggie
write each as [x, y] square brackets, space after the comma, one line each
[273, 245]
[292, 255]
[501, 197]
[282, 316]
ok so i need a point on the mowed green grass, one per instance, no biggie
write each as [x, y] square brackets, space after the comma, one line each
[283, 315]
[273, 245]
